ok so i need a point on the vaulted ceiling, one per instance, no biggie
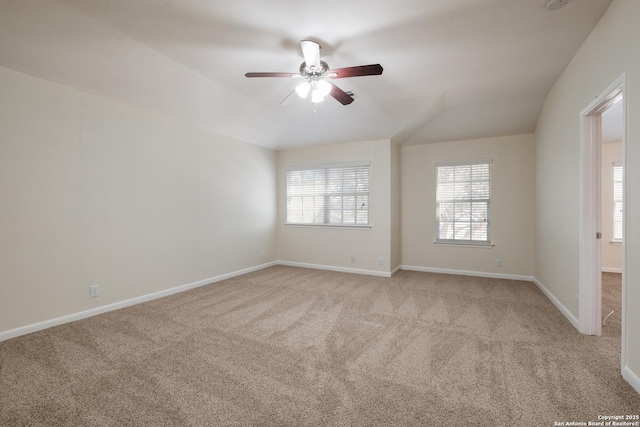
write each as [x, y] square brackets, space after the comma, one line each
[452, 69]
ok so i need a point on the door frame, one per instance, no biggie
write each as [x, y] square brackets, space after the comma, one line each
[590, 278]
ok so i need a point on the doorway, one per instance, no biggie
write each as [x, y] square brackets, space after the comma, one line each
[590, 286]
[612, 179]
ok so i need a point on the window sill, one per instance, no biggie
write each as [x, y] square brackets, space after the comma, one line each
[615, 242]
[466, 245]
[337, 226]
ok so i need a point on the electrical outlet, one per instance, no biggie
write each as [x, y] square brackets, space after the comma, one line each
[94, 291]
[380, 261]
[261, 254]
[498, 262]
[578, 301]
[353, 258]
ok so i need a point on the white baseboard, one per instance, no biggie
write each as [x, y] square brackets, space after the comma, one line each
[611, 270]
[631, 378]
[395, 270]
[467, 273]
[339, 269]
[558, 304]
[144, 298]
[126, 303]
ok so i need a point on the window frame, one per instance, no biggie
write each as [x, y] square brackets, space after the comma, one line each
[329, 196]
[471, 200]
[617, 222]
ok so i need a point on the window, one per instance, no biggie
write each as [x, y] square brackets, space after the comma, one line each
[617, 201]
[329, 195]
[463, 207]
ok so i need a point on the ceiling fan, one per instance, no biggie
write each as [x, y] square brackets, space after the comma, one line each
[316, 75]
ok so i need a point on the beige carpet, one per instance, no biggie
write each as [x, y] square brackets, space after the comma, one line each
[612, 302]
[290, 346]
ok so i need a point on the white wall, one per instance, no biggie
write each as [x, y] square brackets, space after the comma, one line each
[611, 252]
[333, 247]
[512, 208]
[95, 192]
[610, 50]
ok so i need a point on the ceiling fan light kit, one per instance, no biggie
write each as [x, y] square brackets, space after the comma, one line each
[318, 88]
[316, 74]
[303, 89]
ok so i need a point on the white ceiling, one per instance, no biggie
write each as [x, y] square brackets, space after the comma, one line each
[452, 69]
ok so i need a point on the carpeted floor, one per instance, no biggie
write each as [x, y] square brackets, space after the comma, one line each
[612, 302]
[291, 346]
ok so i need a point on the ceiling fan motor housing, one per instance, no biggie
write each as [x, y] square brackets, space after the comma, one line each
[310, 71]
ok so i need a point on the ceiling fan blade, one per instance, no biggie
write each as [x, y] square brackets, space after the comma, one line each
[360, 70]
[270, 75]
[341, 96]
[311, 53]
[288, 100]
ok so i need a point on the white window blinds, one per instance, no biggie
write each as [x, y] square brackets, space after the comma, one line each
[618, 174]
[336, 194]
[463, 208]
